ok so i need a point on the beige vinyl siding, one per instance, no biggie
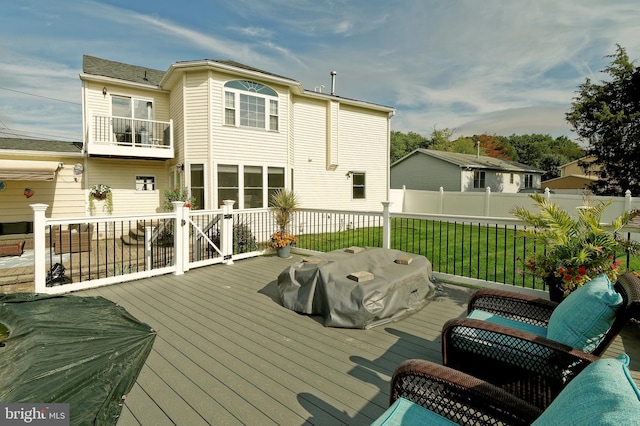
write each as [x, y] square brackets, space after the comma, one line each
[312, 182]
[196, 116]
[361, 147]
[63, 195]
[120, 175]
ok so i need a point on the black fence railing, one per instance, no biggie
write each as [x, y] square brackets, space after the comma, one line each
[102, 249]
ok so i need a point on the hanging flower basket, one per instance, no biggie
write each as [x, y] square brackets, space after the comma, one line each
[100, 192]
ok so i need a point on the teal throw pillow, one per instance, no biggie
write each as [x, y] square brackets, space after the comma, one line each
[602, 394]
[583, 318]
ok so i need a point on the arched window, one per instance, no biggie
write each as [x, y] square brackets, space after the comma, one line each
[248, 104]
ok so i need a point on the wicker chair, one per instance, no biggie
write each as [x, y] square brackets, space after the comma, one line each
[525, 364]
[423, 392]
[457, 396]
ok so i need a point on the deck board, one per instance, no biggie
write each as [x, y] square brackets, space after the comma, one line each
[227, 352]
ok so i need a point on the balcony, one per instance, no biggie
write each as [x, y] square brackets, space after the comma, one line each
[128, 137]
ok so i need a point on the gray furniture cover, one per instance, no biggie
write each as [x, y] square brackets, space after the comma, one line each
[320, 286]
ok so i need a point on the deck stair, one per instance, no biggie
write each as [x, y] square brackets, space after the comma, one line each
[136, 235]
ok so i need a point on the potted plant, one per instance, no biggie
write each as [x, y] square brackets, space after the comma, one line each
[100, 192]
[178, 194]
[576, 250]
[283, 204]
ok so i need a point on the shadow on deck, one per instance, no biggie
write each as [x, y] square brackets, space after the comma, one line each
[228, 352]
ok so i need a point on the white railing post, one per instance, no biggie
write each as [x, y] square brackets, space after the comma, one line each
[148, 235]
[179, 246]
[440, 209]
[386, 225]
[404, 198]
[170, 134]
[39, 258]
[226, 232]
[487, 201]
[627, 200]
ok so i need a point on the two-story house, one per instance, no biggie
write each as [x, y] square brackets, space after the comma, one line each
[430, 170]
[226, 131]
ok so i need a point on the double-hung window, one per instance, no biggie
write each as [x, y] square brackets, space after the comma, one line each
[275, 181]
[250, 104]
[253, 187]
[478, 179]
[228, 182]
[358, 180]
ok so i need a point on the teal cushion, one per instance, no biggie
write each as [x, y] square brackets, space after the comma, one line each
[507, 322]
[602, 394]
[404, 412]
[586, 315]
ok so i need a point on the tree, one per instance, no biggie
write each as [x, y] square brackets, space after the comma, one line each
[496, 146]
[460, 145]
[607, 117]
[544, 152]
[402, 144]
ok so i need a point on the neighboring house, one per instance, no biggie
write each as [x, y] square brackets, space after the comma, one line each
[429, 170]
[221, 129]
[573, 177]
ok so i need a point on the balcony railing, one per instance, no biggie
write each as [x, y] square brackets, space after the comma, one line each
[129, 137]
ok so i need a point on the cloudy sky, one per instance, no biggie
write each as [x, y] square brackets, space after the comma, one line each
[494, 66]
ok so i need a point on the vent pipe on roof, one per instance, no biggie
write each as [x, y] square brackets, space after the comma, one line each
[333, 82]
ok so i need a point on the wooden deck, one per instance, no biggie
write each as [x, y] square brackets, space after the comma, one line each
[227, 351]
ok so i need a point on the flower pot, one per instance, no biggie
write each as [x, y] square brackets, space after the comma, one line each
[284, 251]
[100, 195]
[556, 288]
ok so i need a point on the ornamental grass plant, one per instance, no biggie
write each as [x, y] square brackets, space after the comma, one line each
[576, 248]
[283, 204]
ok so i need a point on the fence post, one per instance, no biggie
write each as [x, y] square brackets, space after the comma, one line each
[386, 225]
[39, 255]
[226, 231]
[627, 201]
[487, 201]
[441, 200]
[148, 235]
[179, 246]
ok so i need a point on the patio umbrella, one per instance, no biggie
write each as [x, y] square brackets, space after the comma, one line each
[85, 351]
